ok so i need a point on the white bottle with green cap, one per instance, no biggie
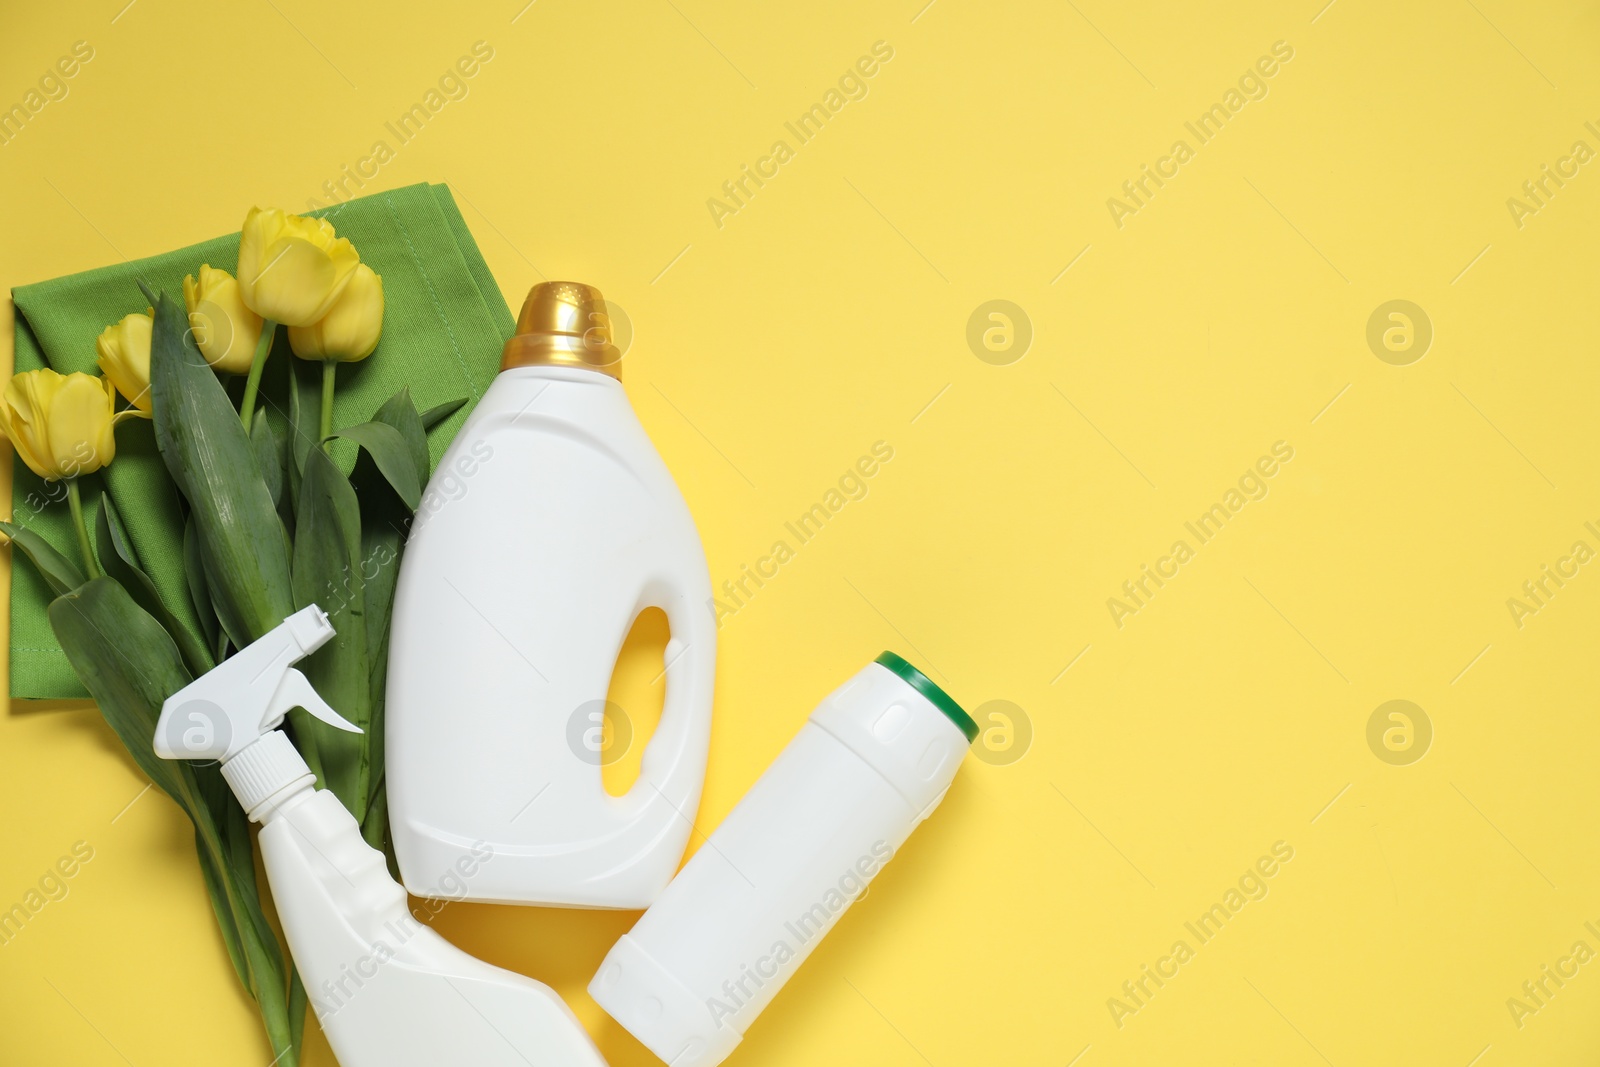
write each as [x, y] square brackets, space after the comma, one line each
[873, 760]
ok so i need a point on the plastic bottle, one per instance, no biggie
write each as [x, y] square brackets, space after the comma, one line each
[874, 759]
[550, 524]
[387, 990]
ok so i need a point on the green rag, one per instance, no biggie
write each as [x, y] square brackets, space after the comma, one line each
[445, 323]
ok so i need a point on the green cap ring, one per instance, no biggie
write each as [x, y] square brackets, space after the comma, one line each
[925, 685]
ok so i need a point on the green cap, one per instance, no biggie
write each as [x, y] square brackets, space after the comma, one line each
[924, 685]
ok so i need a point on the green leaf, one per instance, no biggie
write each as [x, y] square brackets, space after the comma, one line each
[384, 521]
[329, 572]
[393, 456]
[199, 595]
[60, 572]
[296, 463]
[130, 665]
[118, 559]
[439, 412]
[302, 427]
[242, 543]
[268, 457]
[297, 1007]
[225, 834]
[375, 828]
[400, 412]
[219, 905]
[381, 538]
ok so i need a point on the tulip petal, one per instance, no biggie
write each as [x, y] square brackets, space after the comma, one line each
[351, 328]
[252, 243]
[124, 358]
[222, 339]
[16, 432]
[294, 282]
[224, 328]
[292, 268]
[27, 398]
[80, 437]
[345, 260]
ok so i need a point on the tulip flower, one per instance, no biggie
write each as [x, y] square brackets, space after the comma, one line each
[124, 358]
[224, 328]
[61, 426]
[352, 326]
[291, 268]
[347, 333]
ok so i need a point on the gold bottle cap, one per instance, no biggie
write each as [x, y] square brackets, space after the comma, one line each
[563, 324]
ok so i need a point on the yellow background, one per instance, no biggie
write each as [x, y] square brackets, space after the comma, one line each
[1230, 713]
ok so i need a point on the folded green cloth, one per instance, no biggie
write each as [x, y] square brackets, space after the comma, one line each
[445, 323]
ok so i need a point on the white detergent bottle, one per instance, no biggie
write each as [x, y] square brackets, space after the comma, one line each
[549, 525]
[387, 990]
[873, 760]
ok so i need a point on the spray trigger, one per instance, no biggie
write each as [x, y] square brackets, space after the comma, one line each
[296, 691]
[245, 697]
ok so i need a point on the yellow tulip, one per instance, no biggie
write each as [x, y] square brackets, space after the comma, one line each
[351, 328]
[291, 268]
[224, 328]
[60, 424]
[124, 358]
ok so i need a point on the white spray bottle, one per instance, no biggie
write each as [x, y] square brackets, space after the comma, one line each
[549, 525]
[388, 991]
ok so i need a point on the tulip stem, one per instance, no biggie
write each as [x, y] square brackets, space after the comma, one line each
[75, 502]
[325, 428]
[247, 407]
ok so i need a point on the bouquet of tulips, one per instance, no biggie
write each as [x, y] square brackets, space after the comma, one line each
[272, 523]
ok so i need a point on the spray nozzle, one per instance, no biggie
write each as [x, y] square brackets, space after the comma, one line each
[236, 703]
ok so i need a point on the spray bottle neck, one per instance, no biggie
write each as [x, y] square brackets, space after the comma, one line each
[266, 774]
